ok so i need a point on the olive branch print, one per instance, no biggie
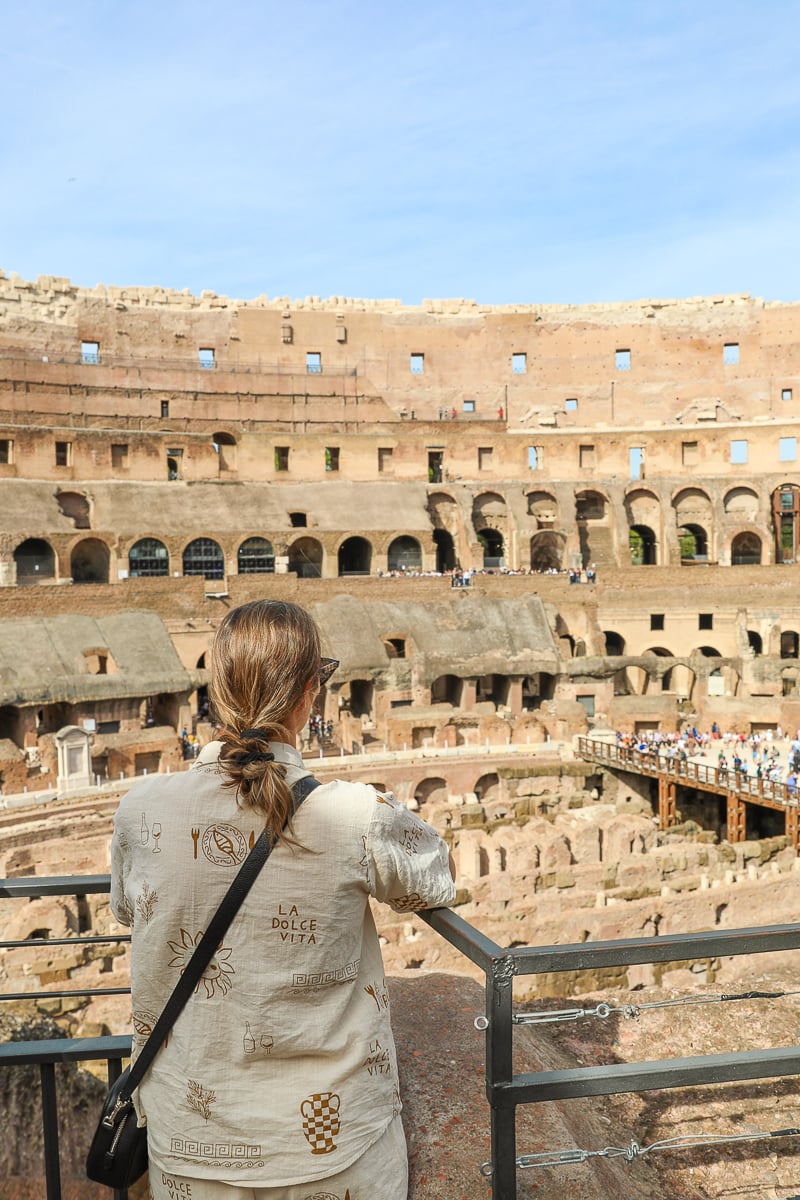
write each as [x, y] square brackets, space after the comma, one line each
[146, 902]
[199, 1099]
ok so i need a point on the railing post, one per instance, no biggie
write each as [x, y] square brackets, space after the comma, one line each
[52, 1167]
[737, 818]
[666, 803]
[793, 826]
[499, 1070]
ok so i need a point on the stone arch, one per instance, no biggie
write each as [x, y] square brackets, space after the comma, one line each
[746, 549]
[786, 522]
[148, 557]
[355, 556]
[404, 554]
[447, 689]
[614, 643]
[305, 558]
[543, 507]
[643, 546]
[203, 556]
[491, 524]
[537, 689]
[358, 695]
[592, 518]
[790, 644]
[225, 448]
[89, 561]
[433, 788]
[487, 787]
[445, 550]
[755, 642]
[35, 560]
[493, 548]
[255, 556]
[547, 551]
[693, 542]
[741, 502]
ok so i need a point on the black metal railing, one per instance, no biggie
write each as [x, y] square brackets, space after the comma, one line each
[505, 1090]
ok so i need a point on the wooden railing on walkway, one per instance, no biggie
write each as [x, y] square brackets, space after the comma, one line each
[738, 788]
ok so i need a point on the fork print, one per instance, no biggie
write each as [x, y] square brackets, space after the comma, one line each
[195, 836]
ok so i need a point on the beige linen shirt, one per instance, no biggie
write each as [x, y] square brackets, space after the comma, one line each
[281, 1069]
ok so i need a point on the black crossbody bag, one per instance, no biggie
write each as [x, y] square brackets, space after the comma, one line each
[118, 1154]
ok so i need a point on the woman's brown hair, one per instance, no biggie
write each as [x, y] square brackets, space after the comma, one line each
[263, 656]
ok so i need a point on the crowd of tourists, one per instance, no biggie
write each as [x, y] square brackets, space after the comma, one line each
[770, 754]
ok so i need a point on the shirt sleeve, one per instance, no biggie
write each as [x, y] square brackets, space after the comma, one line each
[407, 860]
[119, 903]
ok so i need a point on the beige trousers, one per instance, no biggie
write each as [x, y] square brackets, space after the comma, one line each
[382, 1171]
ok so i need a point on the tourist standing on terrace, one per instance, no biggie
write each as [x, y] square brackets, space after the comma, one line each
[279, 1078]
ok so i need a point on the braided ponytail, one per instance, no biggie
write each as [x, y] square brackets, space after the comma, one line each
[263, 656]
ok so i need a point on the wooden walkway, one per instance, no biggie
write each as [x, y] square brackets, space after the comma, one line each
[739, 789]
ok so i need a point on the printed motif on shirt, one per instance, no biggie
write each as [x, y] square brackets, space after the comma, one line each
[379, 993]
[256, 1043]
[328, 1196]
[217, 1154]
[320, 1113]
[146, 902]
[312, 981]
[215, 977]
[293, 926]
[200, 1100]
[378, 1061]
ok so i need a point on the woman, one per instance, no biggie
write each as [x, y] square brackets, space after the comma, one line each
[278, 1081]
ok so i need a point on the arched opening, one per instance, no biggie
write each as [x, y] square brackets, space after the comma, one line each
[642, 542]
[405, 554]
[755, 642]
[395, 647]
[786, 522]
[431, 790]
[305, 558]
[355, 557]
[225, 446]
[360, 697]
[447, 689]
[492, 542]
[537, 689]
[487, 788]
[148, 557]
[789, 644]
[708, 652]
[256, 557]
[445, 550]
[10, 724]
[204, 557]
[35, 561]
[742, 503]
[544, 508]
[746, 550]
[493, 689]
[615, 644]
[590, 518]
[89, 562]
[546, 552]
[693, 543]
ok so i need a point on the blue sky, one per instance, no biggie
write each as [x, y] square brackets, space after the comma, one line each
[510, 153]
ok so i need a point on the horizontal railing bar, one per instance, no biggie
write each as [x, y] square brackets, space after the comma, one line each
[645, 1076]
[124, 991]
[58, 885]
[534, 960]
[465, 937]
[64, 1050]
[79, 939]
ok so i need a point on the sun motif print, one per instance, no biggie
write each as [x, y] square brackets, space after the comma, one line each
[215, 978]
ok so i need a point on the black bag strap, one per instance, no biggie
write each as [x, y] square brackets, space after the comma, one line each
[215, 931]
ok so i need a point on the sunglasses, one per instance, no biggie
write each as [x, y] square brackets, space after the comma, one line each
[326, 668]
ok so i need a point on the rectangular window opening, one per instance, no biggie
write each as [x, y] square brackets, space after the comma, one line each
[730, 354]
[281, 458]
[622, 360]
[313, 363]
[331, 458]
[165, 408]
[6, 451]
[786, 393]
[384, 459]
[119, 455]
[207, 358]
[90, 353]
[570, 405]
[656, 621]
[469, 406]
[63, 454]
[739, 451]
[519, 364]
[586, 457]
[690, 455]
[787, 449]
[636, 462]
[705, 621]
[484, 457]
[588, 704]
[534, 458]
[417, 363]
